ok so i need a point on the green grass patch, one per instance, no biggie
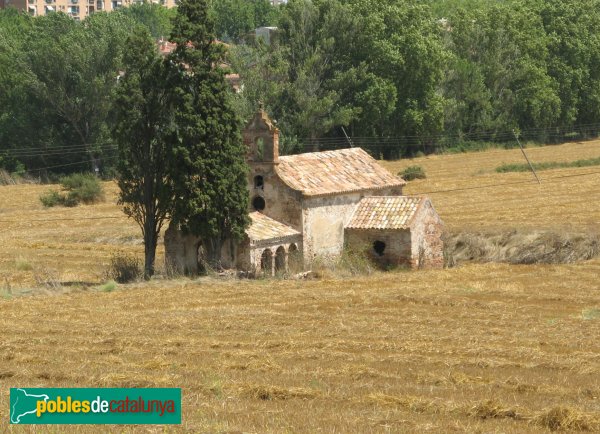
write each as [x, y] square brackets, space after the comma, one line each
[590, 314]
[109, 286]
[505, 168]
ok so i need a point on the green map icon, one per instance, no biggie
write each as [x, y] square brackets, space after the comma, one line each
[22, 404]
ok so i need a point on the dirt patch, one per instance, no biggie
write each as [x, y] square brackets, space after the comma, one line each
[521, 247]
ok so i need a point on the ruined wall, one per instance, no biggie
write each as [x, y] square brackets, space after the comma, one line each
[427, 243]
[181, 252]
[397, 245]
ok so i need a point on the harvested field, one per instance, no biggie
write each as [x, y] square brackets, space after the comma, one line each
[477, 348]
[481, 348]
[565, 200]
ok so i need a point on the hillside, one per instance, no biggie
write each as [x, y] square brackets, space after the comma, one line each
[478, 348]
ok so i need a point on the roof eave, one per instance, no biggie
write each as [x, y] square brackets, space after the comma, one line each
[356, 190]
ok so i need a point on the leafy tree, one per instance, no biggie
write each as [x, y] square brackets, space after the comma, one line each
[155, 17]
[500, 72]
[66, 77]
[143, 125]
[573, 29]
[234, 19]
[208, 164]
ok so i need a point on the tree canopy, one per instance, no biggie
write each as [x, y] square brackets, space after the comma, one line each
[397, 76]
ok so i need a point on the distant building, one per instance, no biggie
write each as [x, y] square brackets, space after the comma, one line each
[78, 9]
[267, 34]
[165, 48]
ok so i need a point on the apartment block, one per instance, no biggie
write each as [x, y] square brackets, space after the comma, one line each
[78, 9]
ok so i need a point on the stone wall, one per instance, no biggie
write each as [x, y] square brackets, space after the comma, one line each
[181, 252]
[396, 245]
[324, 219]
[427, 242]
[281, 202]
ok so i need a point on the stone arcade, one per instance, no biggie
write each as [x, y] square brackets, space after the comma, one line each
[315, 204]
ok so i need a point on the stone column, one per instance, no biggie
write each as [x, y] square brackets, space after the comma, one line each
[272, 263]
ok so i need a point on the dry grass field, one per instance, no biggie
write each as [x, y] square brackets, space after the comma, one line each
[488, 348]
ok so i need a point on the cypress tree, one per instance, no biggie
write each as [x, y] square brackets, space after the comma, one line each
[142, 128]
[208, 162]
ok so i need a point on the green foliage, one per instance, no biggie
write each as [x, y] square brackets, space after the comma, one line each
[83, 188]
[156, 18]
[61, 75]
[429, 75]
[124, 268]
[235, 19]
[51, 198]
[143, 124]
[412, 172]
[505, 168]
[109, 286]
[208, 167]
[77, 188]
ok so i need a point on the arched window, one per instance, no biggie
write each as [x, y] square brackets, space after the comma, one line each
[379, 247]
[260, 148]
[258, 203]
[259, 182]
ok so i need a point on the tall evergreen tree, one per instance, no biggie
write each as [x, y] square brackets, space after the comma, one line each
[142, 127]
[209, 169]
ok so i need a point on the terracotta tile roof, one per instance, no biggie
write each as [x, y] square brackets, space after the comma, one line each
[385, 212]
[330, 172]
[265, 228]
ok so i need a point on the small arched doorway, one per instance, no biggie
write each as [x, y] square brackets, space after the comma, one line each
[294, 259]
[280, 260]
[266, 262]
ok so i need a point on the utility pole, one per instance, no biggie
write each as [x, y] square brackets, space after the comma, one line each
[526, 157]
[348, 138]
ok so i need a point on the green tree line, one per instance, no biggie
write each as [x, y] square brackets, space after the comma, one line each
[427, 75]
[397, 76]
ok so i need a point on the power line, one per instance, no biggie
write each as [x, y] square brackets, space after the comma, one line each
[66, 165]
[530, 181]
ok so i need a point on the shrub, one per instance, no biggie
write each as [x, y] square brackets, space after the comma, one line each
[352, 262]
[412, 172]
[51, 198]
[124, 268]
[78, 188]
[85, 188]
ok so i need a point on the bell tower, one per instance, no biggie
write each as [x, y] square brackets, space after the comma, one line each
[261, 138]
